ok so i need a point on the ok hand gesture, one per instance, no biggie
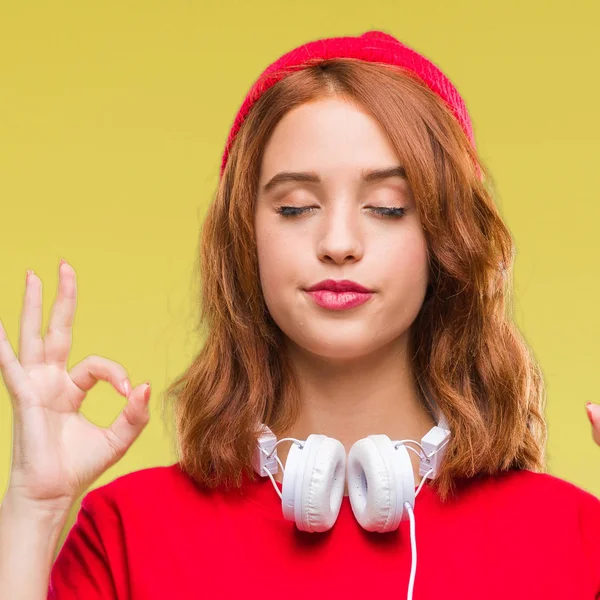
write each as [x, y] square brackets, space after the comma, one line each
[57, 452]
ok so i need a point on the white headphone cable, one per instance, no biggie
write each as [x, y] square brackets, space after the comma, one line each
[271, 475]
[413, 547]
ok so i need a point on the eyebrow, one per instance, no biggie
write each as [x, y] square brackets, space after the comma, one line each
[312, 177]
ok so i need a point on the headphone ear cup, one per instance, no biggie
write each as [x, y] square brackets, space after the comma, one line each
[313, 483]
[380, 480]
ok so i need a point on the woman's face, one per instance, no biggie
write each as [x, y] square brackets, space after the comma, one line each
[342, 232]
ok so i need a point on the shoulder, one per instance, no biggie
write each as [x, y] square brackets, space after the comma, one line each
[563, 497]
[151, 478]
[158, 503]
[547, 515]
[536, 486]
[536, 499]
[531, 486]
[160, 486]
[535, 496]
[572, 513]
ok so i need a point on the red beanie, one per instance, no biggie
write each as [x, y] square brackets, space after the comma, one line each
[372, 46]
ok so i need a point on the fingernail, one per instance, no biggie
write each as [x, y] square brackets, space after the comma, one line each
[28, 275]
[126, 387]
[147, 392]
[62, 261]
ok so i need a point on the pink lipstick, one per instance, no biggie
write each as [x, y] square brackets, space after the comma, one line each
[339, 295]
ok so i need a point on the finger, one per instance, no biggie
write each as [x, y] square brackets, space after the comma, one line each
[31, 345]
[57, 342]
[593, 411]
[94, 368]
[13, 374]
[131, 421]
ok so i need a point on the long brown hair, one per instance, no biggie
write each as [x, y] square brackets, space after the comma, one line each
[468, 354]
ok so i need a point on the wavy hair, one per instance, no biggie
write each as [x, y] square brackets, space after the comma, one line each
[468, 355]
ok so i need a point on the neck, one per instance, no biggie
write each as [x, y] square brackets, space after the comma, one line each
[351, 399]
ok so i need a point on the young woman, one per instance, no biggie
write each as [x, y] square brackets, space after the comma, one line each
[356, 276]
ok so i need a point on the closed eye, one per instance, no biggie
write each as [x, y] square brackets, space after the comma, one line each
[385, 211]
[292, 211]
[394, 211]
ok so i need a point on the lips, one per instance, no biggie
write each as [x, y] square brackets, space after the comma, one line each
[339, 295]
[344, 285]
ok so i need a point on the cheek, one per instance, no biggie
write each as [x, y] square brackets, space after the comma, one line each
[411, 264]
[404, 276]
[405, 253]
[279, 268]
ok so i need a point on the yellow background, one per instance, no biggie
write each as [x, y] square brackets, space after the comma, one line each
[113, 119]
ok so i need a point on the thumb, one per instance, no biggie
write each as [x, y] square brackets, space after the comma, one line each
[131, 421]
[593, 412]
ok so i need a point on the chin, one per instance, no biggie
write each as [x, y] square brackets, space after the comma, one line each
[338, 346]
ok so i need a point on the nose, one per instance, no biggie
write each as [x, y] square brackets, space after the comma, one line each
[340, 238]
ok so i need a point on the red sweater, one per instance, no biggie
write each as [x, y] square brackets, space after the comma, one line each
[154, 534]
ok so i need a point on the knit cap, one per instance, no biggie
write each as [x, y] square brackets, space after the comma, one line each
[372, 46]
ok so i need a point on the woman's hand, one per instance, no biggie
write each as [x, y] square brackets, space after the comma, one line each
[593, 412]
[57, 452]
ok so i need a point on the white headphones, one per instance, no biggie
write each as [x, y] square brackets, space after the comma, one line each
[381, 482]
[379, 472]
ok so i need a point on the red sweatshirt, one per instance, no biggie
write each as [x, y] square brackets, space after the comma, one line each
[154, 534]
